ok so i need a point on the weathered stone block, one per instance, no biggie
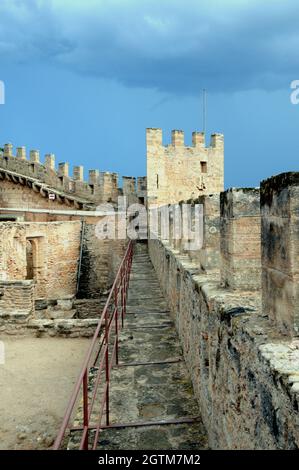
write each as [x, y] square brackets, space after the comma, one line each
[209, 255]
[65, 304]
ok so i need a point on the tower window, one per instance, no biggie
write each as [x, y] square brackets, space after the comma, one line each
[204, 167]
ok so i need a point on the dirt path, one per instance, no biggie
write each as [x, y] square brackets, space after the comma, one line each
[35, 385]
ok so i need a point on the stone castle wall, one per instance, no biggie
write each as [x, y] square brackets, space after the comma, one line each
[100, 187]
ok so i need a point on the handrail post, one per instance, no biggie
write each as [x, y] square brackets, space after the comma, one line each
[122, 300]
[107, 365]
[85, 408]
[116, 324]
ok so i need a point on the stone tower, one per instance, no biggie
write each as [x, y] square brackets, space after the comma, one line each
[176, 172]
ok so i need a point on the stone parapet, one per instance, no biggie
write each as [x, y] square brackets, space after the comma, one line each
[240, 239]
[280, 251]
[246, 379]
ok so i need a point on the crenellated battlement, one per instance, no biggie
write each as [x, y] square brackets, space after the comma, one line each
[177, 171]
[100, 187]
[154, 138]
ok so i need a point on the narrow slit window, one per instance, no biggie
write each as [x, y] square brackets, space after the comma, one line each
[157, 181]
[204, 167]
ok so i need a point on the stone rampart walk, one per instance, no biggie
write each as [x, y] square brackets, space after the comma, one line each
[151, 384]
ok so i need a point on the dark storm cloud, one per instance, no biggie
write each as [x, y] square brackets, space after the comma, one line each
[169, 45]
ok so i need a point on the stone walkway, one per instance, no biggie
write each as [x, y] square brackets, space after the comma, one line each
[151, 392]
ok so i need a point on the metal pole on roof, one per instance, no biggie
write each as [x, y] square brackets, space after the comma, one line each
[204, 109]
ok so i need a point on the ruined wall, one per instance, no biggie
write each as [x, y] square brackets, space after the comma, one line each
[94, 265]
[22, 315]
[61, 327]
[17, 297]
[16, 305]
[100, 262]
[245, 371]
[56, 248]
[176, 172]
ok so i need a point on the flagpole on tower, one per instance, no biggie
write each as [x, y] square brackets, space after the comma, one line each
[204, 109]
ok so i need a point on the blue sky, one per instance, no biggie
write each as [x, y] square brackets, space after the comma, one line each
[84, 78]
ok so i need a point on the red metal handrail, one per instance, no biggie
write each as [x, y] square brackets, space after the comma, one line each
[99, 355]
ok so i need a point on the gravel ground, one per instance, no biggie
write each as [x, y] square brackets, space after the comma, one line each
[36, 382]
